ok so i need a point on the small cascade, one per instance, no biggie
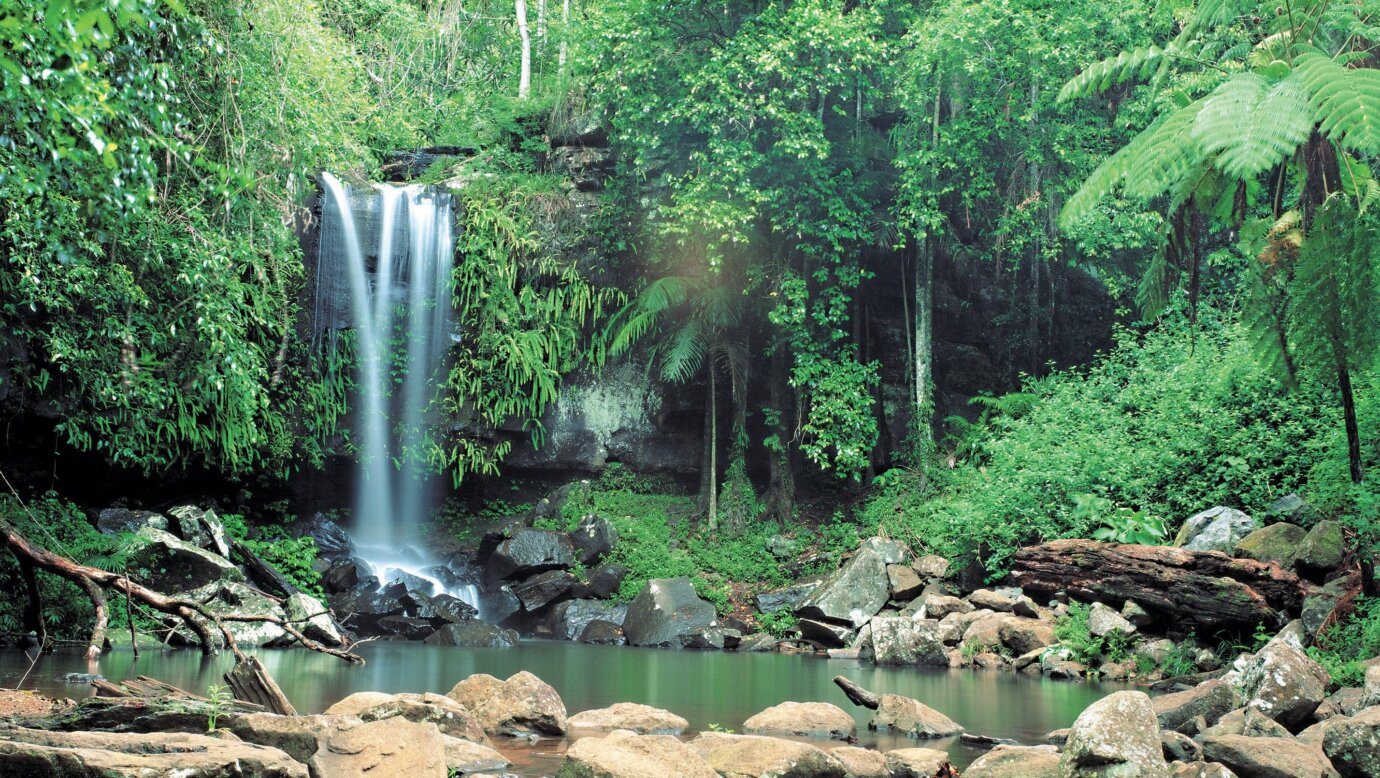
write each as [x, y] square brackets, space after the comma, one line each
[388, 250]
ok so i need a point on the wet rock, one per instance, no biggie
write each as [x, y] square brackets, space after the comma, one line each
[1323, 549]
[1210, 700]
[568, 619]
[500, 605]
[1103, 621]
[521, 704]
[527, 552]
[901, 641]
[593, 539]
[312, 619]
[543, 589]
[473, 634]
[861, 762]
[1353, 745]
[467, 758]
[641, 719]
[1215, 529]
[363, 608]
[42, 754]
[606, 579]
[176, 565]
[388, 748]
[342, 575]
[1278, 543]
[1267, 757]
[907, 716]
[824, 633]
[853, 594]
[200, 528]
[1284, 684]
[1115, 736]
[626, 755]
[447, 608]
[668, 613]
[916, 762]
[807, 719]
[786, 597]
[891, 552]
[930, 566]
[757, 643]
[604, 633]
[754, 756]
[331, 539]
[113, 521]
[231, 598]
[905, 584]
[1015, 762]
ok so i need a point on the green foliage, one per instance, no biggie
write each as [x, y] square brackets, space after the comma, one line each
[1344, 646]
[293, 557]
[1122, 524]
[220, 698]
[1084, 647]
[778, 623]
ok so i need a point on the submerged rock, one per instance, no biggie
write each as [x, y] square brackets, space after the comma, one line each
[907, 716]
[641, 719]
[808, 719]
[473, 634]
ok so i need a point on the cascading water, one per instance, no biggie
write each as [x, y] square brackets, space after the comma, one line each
[388, 249]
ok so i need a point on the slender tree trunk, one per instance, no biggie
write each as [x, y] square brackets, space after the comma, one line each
[781, 479]
[924, 348]
[565, 37]
[33, 615]
[713, 448]
[1353, 431]
[525, 74]
[541, 33]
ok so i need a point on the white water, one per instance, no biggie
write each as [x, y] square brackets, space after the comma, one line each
[399, 310]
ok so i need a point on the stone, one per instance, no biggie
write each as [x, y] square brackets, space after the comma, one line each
[1291, 508]
[916, 762]
[1178, 747]
[786, 597]
[1284, 683]
[805, 719]
[568, 619]
[987, 660]
[200, 528]
[853, 594]
[758, 643]
[300, 737]
[1103, 621]
[311, 618]
[331, 539]
[1215, 529]
[1201, 770]
[1115, 736]
[755, 756]
[937, 606]
[1353, 744]
[467, 758]
[449, 716]
[895, 640]
[175, 565]
[1278, 543]
[499, 605]
[342, 575]
[861, 762]
[473, 634]
[1154, 651]
[641, 719]
[1210, 700]
[905, 584]
[891, 552]
[1267, 757]
[1015, 762]
[930, 566]
[906, 716]
[388, 748]
[1321, 604]
[225, 598]
[407, 627]
[43, 754]
[1249, 722]
[527, 552]
[1135, 614]
[1023, 635]
[668, 613]
[627, 755]
[824, 633]
[1344, 702]
[1370, 691]
[448, 608]
[992, 601]
[782, 547]
[521, 704]
[984, 632]
[1323, 549]
[606, 579]
[364, 606]
[604, 633]
[114, 521]
[1063, 670]
[543, 589]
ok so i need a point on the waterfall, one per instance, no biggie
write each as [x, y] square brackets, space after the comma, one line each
[388, 251]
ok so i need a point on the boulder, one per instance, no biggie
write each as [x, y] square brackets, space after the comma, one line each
[407, 627]
[527, 552]
[34, 753]
[1291, 508]
[786, 597]
[861, 762]
[200, 528]
[905, 584]
[543, 589]
[466, 758]
[1343, 702]
[1353, 744]
[1178, 747]
[473, 634]
[229, 598]
[1370, 691]
[300, 737]
[895, 640]
[606, 579]
[498, 605]
[1322, 550]
[342, 575]
[626, 755]
[175, 565]
[1023, 635]
[1016, 762]
[449, 716]
[1134, 613]
[824, 633]
[387, 748]
[568, 619]
[311, 618]
[604, 633]
[1117, 736]
[114, 521]
[331, 539]
[917, 763]
[754, 756]
[1247, 721]
[1154, 651]
[1321, 604]
[1200, 770]
[891, 552]
[447, 608]
[1278, 543]
[668, 613]
[930, 566]
[1103, 621]
[1215, 529]
[992, 601]
[853, 594]
[806, 719]
[1210, 700]
[984, 632]
[593, 539]
[641, 719]
[1267, 757]
[937, 606]
[906, 716]
[364, 606]
[522, 704]
[1284, 683]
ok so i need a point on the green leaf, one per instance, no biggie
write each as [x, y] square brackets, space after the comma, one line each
[1346, 102]
[1252, 126]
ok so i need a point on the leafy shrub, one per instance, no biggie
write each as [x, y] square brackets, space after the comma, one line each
[293, 557]
[1343, 647]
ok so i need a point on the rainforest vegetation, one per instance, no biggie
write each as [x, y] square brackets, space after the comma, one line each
[1165, 212]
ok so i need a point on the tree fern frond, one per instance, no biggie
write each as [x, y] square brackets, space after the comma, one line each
[1152, 296]
[1345, 102]
[1265, 314]
[1099, 76]
[1213, 13]
[684, 352]
[1252, 126]
[1358, 180]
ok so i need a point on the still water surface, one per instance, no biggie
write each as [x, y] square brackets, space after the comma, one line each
[707, 688]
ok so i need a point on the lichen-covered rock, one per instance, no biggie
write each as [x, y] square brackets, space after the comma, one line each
[668, 613]
[1016, 762]
[627, 755]
[891, 552]
[593, 539]
[853, 594]
[1023, 635]
[895, 640]
[1210, 700]
[1278, 543]
[175, 565]
[1323, 549]
[641, 719]
[1103, 621]
[1267, 757]
[1353, 744]
[522, 704]
[225, 598]
[916, 762]
[1215, 529]
[1178, 747]
[905, 583]
[808, 719]
[937, 606]
[911, 717]
[42, 754]
[1115, 737]
[312, 619]
[1284, 683]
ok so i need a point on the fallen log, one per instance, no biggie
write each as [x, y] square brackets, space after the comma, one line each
[250, 682]
[1203, 590]
[856, 694]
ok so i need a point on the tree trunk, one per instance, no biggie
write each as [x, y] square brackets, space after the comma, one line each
[565, 37]
[781, 480]
[525, 74]
[33, 615]
[1353, 431]
[857, 694]
[924, 349]
[713, 447]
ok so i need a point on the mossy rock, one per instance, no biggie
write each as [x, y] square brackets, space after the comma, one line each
[1276, 543]
[1323, 549]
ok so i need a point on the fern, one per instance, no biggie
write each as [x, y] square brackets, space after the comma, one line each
[1335, 312]
[1100, 76]
[1252, 126]
[1345, 102]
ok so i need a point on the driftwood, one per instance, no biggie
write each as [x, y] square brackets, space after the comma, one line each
[250, 682]
[262, 571]
[856, 694]
[1194, 589]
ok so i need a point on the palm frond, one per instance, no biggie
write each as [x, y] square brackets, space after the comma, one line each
[639, 315]
[684, 352]
[1101, 76]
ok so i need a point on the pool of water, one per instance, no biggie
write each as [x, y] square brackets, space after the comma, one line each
[710, 689]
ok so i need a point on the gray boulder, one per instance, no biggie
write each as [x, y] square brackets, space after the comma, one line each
[526, 552]
[605, 580]
[668, 613]
[176, 565]
[910, 717]
[593, 539]
[1103, 621]
[786, 597]
[1353, 745]
[853, 594]
[803, 719]
[1209, 700]
[604, 633]
[113, 521]
[543, 589]
[41, 754]
[1115, 737]
[473, 634]
[568, 619]
[1215, 529]
[200, 528]
[895, 640]
[312, 619]
[1284, 683]
[1267, 757]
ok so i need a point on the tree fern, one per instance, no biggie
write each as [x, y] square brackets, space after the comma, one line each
[1345, 101]
[1125, 66]
[1252, 126]
[1335, 312]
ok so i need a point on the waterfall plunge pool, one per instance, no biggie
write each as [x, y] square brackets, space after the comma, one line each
[709, 688]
